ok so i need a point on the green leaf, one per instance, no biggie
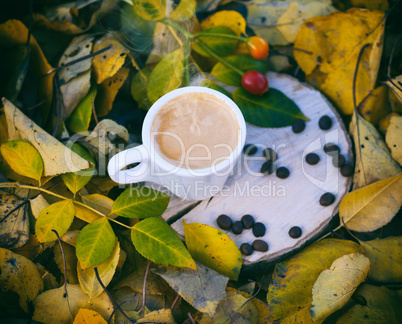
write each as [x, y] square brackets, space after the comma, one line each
[243, 63]
[57, 216]
[23, 158]
[222, 46]
[140, 202]
[272, 109]
[335, 286]
[166, 76]
[213, 248]
[138, 88]
[81, 116]
[151, 10]
[95, 243]
[386, 259]
[138, 31]
[158, 242]
[294, 278]
[184, 11]
[212, 85]
[75, 181]
[87, 278]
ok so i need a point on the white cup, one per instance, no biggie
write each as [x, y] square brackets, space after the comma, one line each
[186, 183]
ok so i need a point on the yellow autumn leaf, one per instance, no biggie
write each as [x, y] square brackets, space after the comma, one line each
[226, 18]
[375, 106]
[20, 275]
[107, 64]
[370, 4]
[68, 254]
[57, 216]
[57, 158]
[159, 316]
[386, 259]
[60, 26]
[373, 158]
[332, 44]
[107, 91]
[88, 316]
[291, 20]
[86, 214]
[100, 202]
[54, 306]
[213, 248]
[336, 285]
[23, 158]
[37, 205]
[184, 11]
[87, 278]
[393, 86]
[373, 206]
[393, 138]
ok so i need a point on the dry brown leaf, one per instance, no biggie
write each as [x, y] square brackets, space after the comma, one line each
[373, 158]
[71, 261]
[375, 106]
[57, 158]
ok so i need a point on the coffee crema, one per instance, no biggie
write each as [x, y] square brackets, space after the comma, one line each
[195, 131]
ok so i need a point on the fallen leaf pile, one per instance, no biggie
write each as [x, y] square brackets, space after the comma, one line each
[76, 80]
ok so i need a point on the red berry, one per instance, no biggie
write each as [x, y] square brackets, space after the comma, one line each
[254, 82]
[258, 47]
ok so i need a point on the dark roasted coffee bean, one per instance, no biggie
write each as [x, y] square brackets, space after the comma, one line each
[298, 126]
[224, 222]
[259, 229]
[295, 232]
[247, 221]
[260, 245]
[338, 161]
[282, 172]
[331, 149]
[325, 122]
[270, 154]
[246, 249]
[312, 158]
[237, 227]
[250, 149]
[347, 170]
[327, 199]
[267, 167]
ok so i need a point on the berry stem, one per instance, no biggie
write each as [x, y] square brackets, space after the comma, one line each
[177, 27]
[243, 39]
[213, 54]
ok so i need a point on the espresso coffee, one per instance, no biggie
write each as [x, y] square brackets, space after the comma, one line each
[195, 131]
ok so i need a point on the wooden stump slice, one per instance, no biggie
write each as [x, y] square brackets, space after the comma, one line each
[278, 203]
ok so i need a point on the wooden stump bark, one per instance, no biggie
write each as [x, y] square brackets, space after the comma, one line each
[278, 203]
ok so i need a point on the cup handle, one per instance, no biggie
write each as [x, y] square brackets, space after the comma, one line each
[141, 172]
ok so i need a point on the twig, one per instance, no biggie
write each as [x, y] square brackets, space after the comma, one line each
[18, 185]
[111, 297]
[144, 289]
[93, 109]
[114, 311]
[191, 318]
[65, 269]
[175, 301]
[37, 105]
[58, 98]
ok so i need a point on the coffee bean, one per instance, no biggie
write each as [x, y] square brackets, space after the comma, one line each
[224, 222]
[246, 249]
[250, 149]
[312, 158]
[270, 154]
[237, 227]
[259, 229]
[247, 221]
[298, 126]
[331, 149]
[327, 199]
[260, 245]
[267, 167]
[325, 122]
[282, 172]
[347, 170]
[295, 232]
[338, 160]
